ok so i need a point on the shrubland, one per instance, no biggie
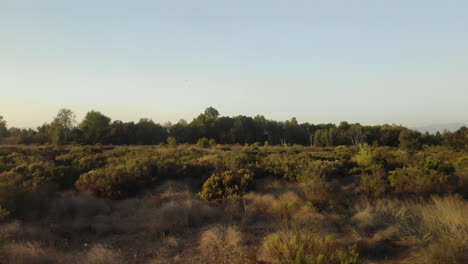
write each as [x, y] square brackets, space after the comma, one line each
[209, 203]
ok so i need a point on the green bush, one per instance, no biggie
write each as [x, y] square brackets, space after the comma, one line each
[300, 167]
[366, 156]
[90, 162]
[429, 176]
[172, 142]
[203, 143]
[323, 169]
[227, 184]
[391, 158]
[118, 180]
[22, 182]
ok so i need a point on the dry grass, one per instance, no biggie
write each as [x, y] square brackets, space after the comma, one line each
[172, 225]
[29, 253]
[303, 246]
[100, 254]
[37, 253]
[445, 223]
[221, 244]
[172, 212]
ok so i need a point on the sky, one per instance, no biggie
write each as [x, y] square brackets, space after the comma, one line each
[367, 61]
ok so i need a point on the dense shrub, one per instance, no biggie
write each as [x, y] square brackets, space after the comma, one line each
[23, 183]
[300, 167]
[226, 184]
[64, 176]
[373, 183]
[391, 158]
[430, 175]
[91, 162]
[118, 180]
[320, 194]
[244, 159]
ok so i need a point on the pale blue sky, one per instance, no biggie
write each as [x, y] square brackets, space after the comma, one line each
[369, 61]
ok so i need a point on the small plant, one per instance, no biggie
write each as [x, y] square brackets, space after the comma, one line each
[366, 156]
[172, 142]
[203, 143]
[212, 142]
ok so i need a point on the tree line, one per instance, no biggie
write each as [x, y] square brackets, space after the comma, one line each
[97, 128]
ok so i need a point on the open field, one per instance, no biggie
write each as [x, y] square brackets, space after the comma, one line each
[233, 132]
[233, 204]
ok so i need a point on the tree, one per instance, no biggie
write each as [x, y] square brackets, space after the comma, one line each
[458, 139]
[148, 132]
[94, 127]
[211, 112]
[410, 140]
[65, 118]
[356, 134]
[3, 127]
[294, 133]
[325, 137]
[62, 126]
[388, 135]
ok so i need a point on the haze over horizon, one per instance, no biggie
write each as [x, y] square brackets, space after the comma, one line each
[319, 61]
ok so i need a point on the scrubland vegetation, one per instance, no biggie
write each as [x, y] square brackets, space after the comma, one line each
[272, 192]
[210, 203]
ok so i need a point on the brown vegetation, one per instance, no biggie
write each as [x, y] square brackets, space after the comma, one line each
[232, 204]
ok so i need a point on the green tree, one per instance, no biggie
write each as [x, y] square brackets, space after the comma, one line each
[325, 137]
[3, 127]
[410, 140]
[149, 133]
[94, 127]
[356, 134]
[388, 135]
[61, 127]
[458, 139]
[211, 112]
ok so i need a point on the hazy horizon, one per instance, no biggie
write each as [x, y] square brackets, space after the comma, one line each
[374, 62]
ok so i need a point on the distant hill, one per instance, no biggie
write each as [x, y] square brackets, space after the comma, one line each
[440, 127]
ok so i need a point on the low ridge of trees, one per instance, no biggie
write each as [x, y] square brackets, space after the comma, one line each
[97, 128]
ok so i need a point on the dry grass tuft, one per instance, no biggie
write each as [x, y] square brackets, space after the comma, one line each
[178, 211]
[302, 246]
[100, 254]
[223, 245]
